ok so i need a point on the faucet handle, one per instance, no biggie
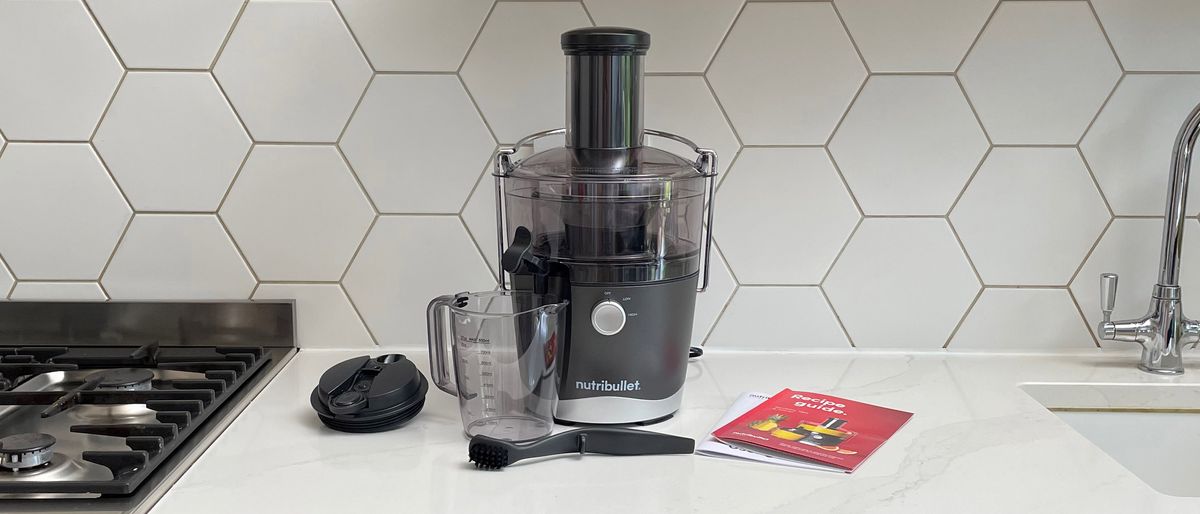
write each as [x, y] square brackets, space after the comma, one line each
[1108, 294]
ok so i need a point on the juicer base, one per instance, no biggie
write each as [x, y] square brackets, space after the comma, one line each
[616, 410]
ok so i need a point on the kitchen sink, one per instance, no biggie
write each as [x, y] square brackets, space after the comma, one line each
[1153, 430]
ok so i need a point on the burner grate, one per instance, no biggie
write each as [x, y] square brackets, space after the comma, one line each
[179, 405]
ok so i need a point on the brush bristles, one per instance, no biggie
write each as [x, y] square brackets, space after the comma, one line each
[486, 456]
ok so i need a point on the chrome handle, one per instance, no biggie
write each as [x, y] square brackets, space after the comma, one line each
[1108, 294]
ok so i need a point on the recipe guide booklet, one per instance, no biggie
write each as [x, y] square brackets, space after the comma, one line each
[801, 429]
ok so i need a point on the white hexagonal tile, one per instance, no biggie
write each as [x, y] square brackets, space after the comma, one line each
[516, 70]
[1023, 319]
[1152, 36]
[324, 316]
[1129, 146]
[289, 88]
[1131, 248]
[711, 302]
[58, 71]
[60, 213]
[177, 257]
[408, 164]
[405, 262]
[786, 73]
[908, 144]
[916, 35]
[774, 191]
[685, 106]
[172, 141]
[57, 291]
[166, 33]
[901, 283]
[415, 35]
[766, 318]
[1030, 216]
[1039, 72]
[297, 213]
[683, 37]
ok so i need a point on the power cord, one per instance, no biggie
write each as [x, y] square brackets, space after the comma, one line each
[695, 352]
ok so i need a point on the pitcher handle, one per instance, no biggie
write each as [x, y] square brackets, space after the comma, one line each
[440, 345]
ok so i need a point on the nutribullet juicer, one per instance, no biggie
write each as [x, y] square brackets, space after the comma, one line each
[616, 228]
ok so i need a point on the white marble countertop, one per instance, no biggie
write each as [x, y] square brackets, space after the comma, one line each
[977, 443]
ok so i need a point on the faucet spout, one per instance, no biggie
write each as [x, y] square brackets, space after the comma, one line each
[1181, 163]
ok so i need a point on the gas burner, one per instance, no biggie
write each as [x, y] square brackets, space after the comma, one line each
[25, 451]
[123, 379]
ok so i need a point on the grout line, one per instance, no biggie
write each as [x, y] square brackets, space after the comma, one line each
[353, 36]
[1162, 72]
[967, 185]
[1104, 32]
[724, 35]
[51, 141]
[354, 112]
[1083, 317]
[12, 274]
[113, 255]
[104, 34]
[974, 42]
[1034, 145]
[482, 259]
[237, 247]
[254, 291]
[971, 105]
[845, 183]
[862, 86]
[1096, 183]
[721, 178]
[1086, 257]
[475, 39]
[837, 316]
[487, 124]
[1111, 92]
[128, 221]
[963, 319]
[721, 252]
[397, 72]
[783, 146]
[725, 38]
[838, 256]
[298, 282]
[233, 180]
[228, 34]
[361, 318]
[357, 249]
[357, 180]
[674, 74]
[587, 13]
[724, 114]
[720, 314]
[963, 248]
[478, 180]
[854, 44]
[104, 113]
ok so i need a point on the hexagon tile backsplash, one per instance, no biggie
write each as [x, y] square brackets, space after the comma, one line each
[895, 173]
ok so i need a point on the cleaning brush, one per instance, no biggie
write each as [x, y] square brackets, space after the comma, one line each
[491, 453]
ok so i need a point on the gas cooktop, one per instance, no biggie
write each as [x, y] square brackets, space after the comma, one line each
[103, 405]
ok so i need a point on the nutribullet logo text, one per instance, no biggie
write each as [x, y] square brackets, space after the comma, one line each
[604, 385]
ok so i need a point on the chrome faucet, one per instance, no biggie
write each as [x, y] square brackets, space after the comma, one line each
[1164, 330]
